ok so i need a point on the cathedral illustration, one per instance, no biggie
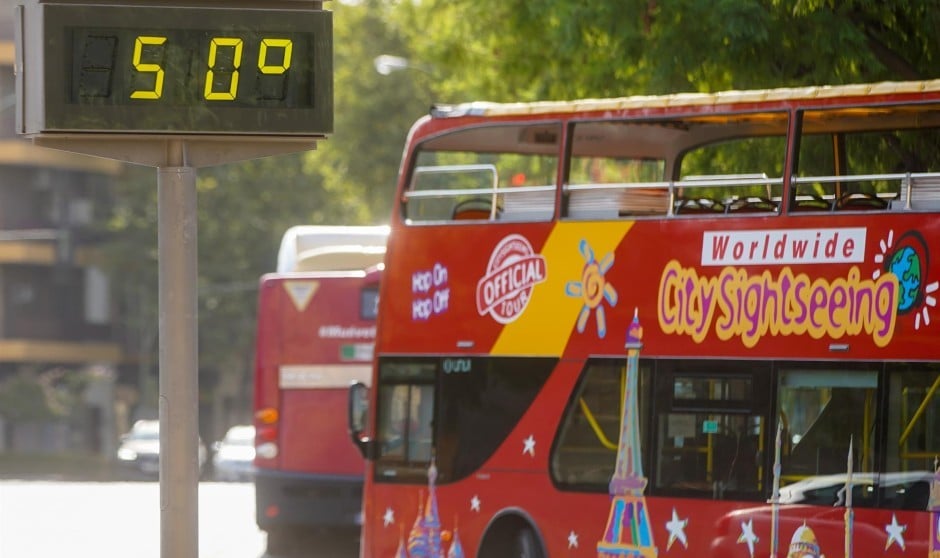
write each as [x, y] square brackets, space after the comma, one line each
[426, 538]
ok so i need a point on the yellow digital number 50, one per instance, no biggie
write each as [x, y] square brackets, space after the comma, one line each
[210, 93]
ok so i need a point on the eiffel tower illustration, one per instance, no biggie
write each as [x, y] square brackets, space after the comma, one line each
[628, 530]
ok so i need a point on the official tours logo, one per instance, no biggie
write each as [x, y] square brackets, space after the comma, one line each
[513, 270]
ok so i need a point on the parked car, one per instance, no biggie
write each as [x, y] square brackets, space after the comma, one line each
[234, 455]
[139, 451]
[904, 490]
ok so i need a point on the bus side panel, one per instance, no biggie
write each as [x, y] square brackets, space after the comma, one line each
[798, 270]
[678, 527]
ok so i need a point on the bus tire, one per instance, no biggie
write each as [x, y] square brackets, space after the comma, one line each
[527, 545]
[280, 542]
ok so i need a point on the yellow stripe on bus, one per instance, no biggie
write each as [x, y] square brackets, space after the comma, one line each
[549, 319]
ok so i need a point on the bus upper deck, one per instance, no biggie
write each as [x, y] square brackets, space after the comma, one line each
[817, 149]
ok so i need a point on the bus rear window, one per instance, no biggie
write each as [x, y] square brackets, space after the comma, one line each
[369, 303]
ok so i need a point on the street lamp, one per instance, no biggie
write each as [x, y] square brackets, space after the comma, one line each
[385, 64]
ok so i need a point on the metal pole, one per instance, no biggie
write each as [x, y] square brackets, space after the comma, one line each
[179, 385]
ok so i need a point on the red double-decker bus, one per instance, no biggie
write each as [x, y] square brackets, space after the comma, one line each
[681, 325]
[315, 336]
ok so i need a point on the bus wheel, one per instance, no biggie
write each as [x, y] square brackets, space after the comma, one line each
[511, 538]
[280, 542]
[527, 546]
[285, 542]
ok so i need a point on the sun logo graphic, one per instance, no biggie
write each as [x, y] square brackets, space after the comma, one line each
[593, 288]
[907, 258]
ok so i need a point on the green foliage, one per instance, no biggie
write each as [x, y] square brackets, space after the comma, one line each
[29, 395]
[552, 49]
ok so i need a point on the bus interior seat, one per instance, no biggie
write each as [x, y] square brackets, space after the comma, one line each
[751, 205]
[811, 202]
[699, 206]
[472, 209]
[861, 201]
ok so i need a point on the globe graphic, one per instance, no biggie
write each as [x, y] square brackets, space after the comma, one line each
[905, 265]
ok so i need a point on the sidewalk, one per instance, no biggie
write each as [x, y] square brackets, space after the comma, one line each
[66, 466]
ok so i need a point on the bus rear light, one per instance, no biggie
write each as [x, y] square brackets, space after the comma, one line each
[266, 450]
[267, 415]
[265, 434]
[266, 442]
[272, 511]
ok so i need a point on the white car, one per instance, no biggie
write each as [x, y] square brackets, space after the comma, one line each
[139, 451]
[908, 490]
[234, 455]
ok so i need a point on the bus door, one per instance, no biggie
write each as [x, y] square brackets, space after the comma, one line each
[711, 429]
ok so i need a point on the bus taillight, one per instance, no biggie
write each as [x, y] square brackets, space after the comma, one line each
[268, 415]
[266, 433]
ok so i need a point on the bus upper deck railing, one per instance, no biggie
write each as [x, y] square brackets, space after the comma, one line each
[694, 195]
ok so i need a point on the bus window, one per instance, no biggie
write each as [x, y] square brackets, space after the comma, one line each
[585, 453]
[854, 168]
[515, 170]
[483, 398]
[405, 412]
[821, 410]
[742, 175]
[369, 302]
[406, 423]
[616, 169]
[913, 435]
[711, 429]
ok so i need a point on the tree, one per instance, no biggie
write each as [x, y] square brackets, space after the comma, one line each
[552, 49]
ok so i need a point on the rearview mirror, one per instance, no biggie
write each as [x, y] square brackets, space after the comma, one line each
[358, 418]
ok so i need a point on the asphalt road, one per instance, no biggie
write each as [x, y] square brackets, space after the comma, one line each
[42, 519]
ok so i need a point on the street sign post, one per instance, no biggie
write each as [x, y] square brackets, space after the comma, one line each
[175, 84]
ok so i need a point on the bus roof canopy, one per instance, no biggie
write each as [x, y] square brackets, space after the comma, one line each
[782, 94]
[331, 248]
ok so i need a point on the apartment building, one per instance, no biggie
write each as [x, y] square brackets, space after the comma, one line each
[59, 356]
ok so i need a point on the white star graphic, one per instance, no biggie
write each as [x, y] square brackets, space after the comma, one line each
[572, 540]
[475, 503]
[747, 536]
[529, 446]
[389, 517]
[895, 532]
[676, 528]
